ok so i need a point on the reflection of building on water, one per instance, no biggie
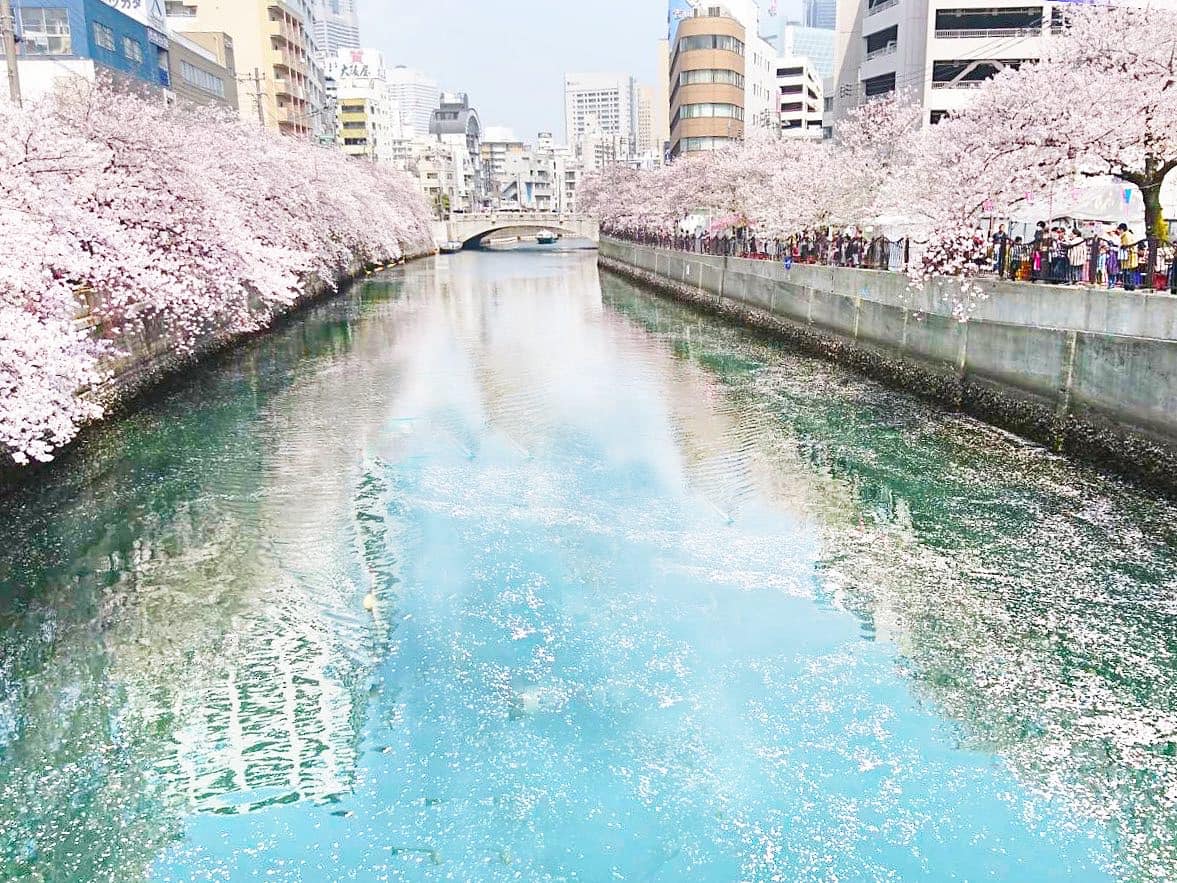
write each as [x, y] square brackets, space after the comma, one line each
[274, 727]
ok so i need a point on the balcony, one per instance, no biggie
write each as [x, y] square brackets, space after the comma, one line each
[876, 8]
[960, 84]
[281, 56]
[289, 88]
[987, 33]
[889, 49]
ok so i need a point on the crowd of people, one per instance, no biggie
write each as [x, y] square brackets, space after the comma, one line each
[1109, 257]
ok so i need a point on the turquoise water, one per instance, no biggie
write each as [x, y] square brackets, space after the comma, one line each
[497, 569]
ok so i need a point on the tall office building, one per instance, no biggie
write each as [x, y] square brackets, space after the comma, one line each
[939, 50]
[418, 97]
[821, 14]
[336, 26]
[602, 104]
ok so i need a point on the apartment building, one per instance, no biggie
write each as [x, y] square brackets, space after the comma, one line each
[939, 50]
[281, 85]
[722, 75]
[456, 125]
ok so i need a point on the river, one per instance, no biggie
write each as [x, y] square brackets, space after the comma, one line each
[498, 568]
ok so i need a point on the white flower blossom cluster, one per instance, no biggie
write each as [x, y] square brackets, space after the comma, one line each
[131, 214]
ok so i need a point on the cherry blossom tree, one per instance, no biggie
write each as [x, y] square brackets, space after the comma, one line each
[178, 221]
[1101, 102]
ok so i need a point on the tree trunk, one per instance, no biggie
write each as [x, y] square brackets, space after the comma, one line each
[1154, 216]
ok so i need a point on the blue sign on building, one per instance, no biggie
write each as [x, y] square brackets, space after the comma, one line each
[677, 10]
[93, 30]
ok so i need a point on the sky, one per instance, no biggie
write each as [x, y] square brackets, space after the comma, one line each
[510, 56]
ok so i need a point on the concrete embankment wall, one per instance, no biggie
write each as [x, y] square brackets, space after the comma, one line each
[1086, 371]
[147, 357]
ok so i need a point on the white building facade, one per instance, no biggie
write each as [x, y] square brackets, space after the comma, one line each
[601, 104]
[800, 89]
[938, 50]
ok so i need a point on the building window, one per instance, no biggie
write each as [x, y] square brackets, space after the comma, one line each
[788, 71]
[133, 50]
[693, 111]
[44, 31]
[711, 75]
[103, 37]
[711, 41]
[201, 79]
[353, 125]
[692, 144]
[879, 85]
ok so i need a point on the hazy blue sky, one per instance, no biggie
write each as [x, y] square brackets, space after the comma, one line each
[511, 55]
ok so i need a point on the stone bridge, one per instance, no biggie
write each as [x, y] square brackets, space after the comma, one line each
[469, 228]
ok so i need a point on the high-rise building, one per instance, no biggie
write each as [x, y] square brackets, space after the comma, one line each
[646, 142]
[418, 97]
[820, 14]
[280, 84]
[335, 26]
[601, 103]
[722, 75]
[662, 97]
[816, 44]
[939, 50]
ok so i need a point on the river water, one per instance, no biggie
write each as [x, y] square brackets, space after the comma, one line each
[499, 569]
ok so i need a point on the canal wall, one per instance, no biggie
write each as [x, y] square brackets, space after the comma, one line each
[1085, 371]
[147, 357]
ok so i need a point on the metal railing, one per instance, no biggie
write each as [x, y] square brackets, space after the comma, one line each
[889, 49]
[986, 33]
[1148, 264]
[879, 7]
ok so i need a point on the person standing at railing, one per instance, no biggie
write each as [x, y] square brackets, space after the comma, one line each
[1000, 241]
[1129, 259]
[1039, 254]
[1077, 255]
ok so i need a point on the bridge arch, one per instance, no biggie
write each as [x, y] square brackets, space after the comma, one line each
[468, 228]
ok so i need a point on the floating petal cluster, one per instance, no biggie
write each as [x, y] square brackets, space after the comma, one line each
[121, 216]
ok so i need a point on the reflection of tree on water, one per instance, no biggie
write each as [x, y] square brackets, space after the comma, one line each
[1031, 600]
[165, 644]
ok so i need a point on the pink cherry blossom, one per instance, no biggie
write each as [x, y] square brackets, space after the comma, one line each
[181, 221]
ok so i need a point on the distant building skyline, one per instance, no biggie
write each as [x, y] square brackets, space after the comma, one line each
[335, 25]
[521, 84]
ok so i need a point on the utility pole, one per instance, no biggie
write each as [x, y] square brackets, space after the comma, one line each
[256, 79]
[8, 32]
